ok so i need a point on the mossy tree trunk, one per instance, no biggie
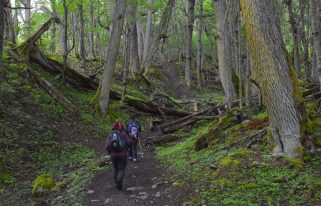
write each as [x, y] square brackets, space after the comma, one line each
[271, 73]
[112, 54]
[224, 50]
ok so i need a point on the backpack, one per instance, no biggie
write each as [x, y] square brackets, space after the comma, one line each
[133, 128]
[117, 142]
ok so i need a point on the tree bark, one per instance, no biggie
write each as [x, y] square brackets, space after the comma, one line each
[294, 30]
[27, 4]
[82, 37]
[148, 30]
[91, 39]
[199, 61]
[316, 32]
[133, 57]
[140, 33]
[188, 43]
[54, 28]
[1, 29]
[224, 51]
[271, 73]
[112, 54]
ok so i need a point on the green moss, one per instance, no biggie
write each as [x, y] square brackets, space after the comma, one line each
[60, 185]
[208, 138]
[297, 164]
[228, 162]
[317, 142]
[44, 181]
[223, 182]
[242, 153]
[7, 178]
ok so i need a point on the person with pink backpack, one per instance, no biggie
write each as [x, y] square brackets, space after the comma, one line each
[133, 130]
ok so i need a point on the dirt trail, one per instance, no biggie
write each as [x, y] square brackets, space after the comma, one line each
[175, 84]
[145, 183]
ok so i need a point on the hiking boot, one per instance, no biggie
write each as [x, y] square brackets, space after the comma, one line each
[130, 158]
[119, 187]
[135, 160]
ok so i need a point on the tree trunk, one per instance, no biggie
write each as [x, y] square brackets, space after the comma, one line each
[27, 4]
[159, 34]
[9, 33]
[316, 32]
[133, 57]
[65, 38]
[91, 39]
[140, 33]
[1, 29]
[224, 51]
[199, 62]
[294, 30]
[271, 73]
[54, 28]
[148, 30]
[112, 54]
[189, 36]
[82, 37]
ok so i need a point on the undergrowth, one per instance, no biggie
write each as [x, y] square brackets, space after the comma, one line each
[237, 175]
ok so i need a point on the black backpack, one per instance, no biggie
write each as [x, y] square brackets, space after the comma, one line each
[117, 143]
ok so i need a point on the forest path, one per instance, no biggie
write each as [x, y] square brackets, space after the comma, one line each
[145, 183]
[175, 83]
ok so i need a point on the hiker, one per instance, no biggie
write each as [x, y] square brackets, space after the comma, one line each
[133, 130]
[117, 143]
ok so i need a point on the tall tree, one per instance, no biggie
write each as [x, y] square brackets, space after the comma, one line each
[91, 39]
[294, 31]
[315, 13]
[27, 4]
[160, 33]
[199, 58]
[140, 33]
[148, 30]
[1, 29]
[82, 36]
[224, 50]
[271, 73]
[188, 44]
[54, 28]
[133, 56]
[112, 54]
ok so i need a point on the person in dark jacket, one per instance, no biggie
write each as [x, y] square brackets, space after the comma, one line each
[133, 130]
[118, 158]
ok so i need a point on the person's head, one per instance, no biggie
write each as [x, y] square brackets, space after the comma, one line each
[118, 125]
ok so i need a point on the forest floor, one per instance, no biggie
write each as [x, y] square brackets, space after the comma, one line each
[179, 88]
[146, 183]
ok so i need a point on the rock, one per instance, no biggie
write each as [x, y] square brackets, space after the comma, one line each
[143, 193]
[90, 192]
[175, 183]
[213, 167]
[154, 186]
[157, 194]
[133, 196]
[151, 202]
[143, 197]
[94, 200]
[107, 201]
[187, 204]
[134, 176]
[133, 189]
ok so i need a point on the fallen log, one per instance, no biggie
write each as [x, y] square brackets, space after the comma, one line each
[34, 55]
[51, 90]
[167, 138]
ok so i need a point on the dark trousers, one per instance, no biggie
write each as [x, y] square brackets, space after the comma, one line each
[133, 150]
[119, 163]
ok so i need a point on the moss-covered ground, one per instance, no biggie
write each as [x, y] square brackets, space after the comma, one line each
[239, 175]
